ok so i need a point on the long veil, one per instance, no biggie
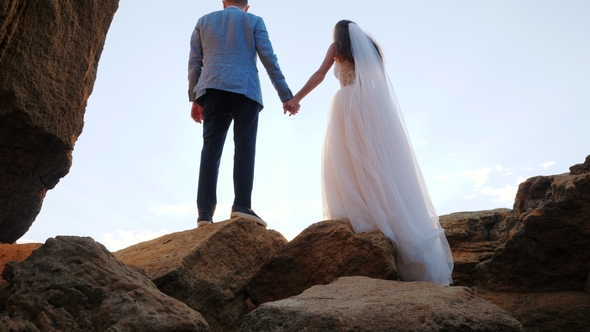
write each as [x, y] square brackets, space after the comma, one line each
[395, 197]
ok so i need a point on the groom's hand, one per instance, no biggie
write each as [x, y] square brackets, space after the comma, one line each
[197, 113]
[292, 106]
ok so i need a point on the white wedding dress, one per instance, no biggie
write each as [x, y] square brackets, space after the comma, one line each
[370, 176]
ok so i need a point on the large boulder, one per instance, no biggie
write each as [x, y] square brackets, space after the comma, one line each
[14, 252]
[474, 237]
[548, 237]
[76, 284]
[49, 53]
[364, 304]
[208, 267]
[321, 253]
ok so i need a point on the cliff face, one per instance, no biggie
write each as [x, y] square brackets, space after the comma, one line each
[49, 53]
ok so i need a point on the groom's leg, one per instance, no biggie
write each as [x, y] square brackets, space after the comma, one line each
[216, 122]
[245, 112]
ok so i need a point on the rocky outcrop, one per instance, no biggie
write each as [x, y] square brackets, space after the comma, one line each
[320, 254]
[14, 252]
[364, 304]
[474, 237]
[207, 268]
[534, 260]
[545, 312]
[49, 53]
[548, 237]
[581, 168]
[76, 284]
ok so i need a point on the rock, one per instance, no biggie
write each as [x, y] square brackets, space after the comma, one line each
[14, 252]
[49, 53]
[548, 246]
[581, 168]
[76, 284]
[545, 312]
[207, 268]
[320, 254]
[473, 237]
[364, 304]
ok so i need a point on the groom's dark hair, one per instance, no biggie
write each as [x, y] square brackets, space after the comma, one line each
[240, 3]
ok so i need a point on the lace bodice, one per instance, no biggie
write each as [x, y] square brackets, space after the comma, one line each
[344, 72]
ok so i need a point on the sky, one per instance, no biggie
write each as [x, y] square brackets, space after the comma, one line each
[492, 92]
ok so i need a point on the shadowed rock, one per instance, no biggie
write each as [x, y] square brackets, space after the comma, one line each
[320, 254]
[545, 312]
[363, 304]
[548, 245]
[14, 252]
[76, 284]
[207, 268]
[49, 53]
[474, 237]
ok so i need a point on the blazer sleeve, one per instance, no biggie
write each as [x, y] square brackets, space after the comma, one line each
[270, 62]
[195, 61]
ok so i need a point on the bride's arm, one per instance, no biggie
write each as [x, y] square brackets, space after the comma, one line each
[317, 77]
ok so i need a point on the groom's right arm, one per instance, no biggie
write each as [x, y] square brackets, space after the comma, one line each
[195, 61]
[270, 62]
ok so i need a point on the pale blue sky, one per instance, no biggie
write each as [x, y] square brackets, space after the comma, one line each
[493, 92]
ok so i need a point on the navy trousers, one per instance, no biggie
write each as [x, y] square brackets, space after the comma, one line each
[219, 109]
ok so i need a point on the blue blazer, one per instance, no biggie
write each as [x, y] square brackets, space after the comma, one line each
[224, 49]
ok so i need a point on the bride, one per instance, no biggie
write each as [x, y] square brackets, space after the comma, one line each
[370, 175]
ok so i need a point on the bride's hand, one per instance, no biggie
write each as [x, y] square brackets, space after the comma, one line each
[292, 106]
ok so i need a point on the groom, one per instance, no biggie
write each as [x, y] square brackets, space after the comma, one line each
[224, 86]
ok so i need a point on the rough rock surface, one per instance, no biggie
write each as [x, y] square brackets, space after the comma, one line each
[49, 53]
[545, 312]
[76, 284]
[548, 246]
[14, 252]
[364, 304]
[320, 254]
[474, 237]
[207, 268]
[581, 168]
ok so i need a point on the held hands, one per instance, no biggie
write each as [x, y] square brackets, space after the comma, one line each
[197, 113]
[292, 106]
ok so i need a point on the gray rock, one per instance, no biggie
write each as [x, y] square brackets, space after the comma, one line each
[76, 284]
[363, 304]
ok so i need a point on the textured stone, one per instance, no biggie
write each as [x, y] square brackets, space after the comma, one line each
[364, 304]
[474, 237]
[320, 254]
[76, 284]
[207, 268]
[548, 245]
[14, 252]
[545, 312]
[49, 53]
[581, 168]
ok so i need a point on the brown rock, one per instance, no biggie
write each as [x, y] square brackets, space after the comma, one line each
[473, 237]
[581, 168]
[545, 312]
[207, 268]
[76, 284]
[548, 246]
[363, 304]
[320, 254]
[49, 53]
[14, 252]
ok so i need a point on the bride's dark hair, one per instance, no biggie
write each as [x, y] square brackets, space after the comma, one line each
[343, 46]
